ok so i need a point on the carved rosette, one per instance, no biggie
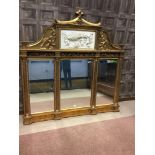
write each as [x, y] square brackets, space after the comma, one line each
[47, 41]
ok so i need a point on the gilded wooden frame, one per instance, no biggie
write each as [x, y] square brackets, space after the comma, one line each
[48, 46]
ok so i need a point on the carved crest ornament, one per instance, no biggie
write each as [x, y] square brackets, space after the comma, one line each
[74, 39]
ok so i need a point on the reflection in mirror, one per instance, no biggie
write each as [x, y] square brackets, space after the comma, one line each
[41, 82]
[75, 83]
[106, 81]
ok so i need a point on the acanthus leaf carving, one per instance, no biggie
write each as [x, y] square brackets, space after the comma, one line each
[47, 41]
[104, 42]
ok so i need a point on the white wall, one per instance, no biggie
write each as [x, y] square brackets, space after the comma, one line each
[45, 69]
[41, 70]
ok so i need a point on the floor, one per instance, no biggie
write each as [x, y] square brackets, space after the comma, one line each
[127, 108]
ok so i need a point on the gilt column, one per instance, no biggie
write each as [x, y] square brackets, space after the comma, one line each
[94, 86]
[57, 89]
[25, 89]
[117, 83]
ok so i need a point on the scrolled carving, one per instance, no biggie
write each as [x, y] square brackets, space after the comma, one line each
[104, 42]
[79, 20]
[47, 41]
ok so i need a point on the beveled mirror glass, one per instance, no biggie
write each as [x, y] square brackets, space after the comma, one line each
[75, 83]
[41, 82]
[106, 81]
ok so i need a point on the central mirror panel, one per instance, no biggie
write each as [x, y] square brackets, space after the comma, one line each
[106, 81]
[41, 82]
[75, 83]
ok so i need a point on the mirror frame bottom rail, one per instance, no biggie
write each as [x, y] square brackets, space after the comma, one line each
[39, 117]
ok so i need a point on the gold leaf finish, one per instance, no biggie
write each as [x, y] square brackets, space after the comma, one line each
[78, 20]
[47, 41]
[104, 42]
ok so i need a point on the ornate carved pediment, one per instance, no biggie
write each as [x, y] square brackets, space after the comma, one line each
[79, 20]
[51, 38]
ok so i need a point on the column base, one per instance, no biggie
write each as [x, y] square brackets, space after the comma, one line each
[27, 119]
[58, 115]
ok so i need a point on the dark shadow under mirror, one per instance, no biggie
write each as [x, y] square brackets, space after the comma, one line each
[106, 81]
[75, 83]
[41, 82]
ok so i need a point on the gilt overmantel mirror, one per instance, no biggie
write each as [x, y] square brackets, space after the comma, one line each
[73, 69]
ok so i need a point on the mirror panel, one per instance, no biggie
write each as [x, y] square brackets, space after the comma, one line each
[75, 83]
[41, 82]
[106, 81]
